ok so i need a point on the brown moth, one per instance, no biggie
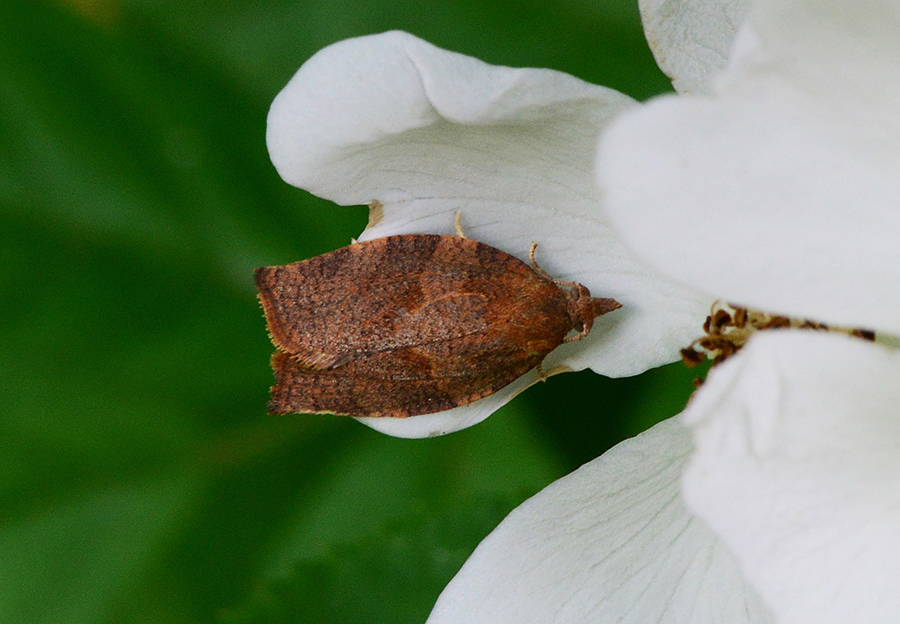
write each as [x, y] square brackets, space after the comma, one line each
[412, 324]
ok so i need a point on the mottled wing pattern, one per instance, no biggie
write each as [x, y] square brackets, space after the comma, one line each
[384, 295]
[406, 325]
[399, 383]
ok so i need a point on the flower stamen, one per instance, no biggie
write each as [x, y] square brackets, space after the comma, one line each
[728, 328]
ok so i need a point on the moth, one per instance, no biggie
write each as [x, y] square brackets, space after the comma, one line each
[412, 324]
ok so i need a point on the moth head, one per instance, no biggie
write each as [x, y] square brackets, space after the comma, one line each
[583, 309]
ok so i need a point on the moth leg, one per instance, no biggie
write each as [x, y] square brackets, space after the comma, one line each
[584, 332]
[458, 224]
[540, 371]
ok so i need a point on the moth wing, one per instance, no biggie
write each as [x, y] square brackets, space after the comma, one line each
[383, 295]
[403, 382]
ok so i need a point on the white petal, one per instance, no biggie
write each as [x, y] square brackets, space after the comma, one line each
[609, 543]
[427, 133]
[797, 467]
[691, 39]
[393, 117]
[449, 421]
[783, 191]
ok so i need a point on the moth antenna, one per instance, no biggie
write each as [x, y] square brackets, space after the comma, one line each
[537, 268]
[543, 273]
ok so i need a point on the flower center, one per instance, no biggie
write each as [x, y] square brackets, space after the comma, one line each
[729, 327]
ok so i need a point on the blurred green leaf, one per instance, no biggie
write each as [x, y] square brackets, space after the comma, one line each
[391, 575]
[72, 562]
[140, 479]
[372, 483]
[263, 42]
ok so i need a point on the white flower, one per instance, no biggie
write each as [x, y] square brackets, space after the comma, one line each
[691, 39]
[427, 133]
[610, 542]
[797, 468]
[788, 179]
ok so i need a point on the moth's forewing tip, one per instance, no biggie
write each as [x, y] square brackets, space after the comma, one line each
[259, 276]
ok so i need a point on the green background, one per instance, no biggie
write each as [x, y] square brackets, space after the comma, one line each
[140, 478]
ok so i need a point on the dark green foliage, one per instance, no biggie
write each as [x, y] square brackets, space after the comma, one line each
[391, 575]
[140, 478]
